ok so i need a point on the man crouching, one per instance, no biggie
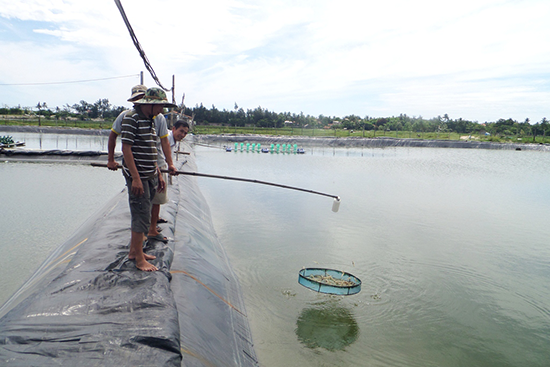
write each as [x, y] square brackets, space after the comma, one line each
[139, 168]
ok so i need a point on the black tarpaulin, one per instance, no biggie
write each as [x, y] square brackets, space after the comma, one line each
[88, 305]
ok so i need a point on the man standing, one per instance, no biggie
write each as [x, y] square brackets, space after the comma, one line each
[178, 132]
[164, 155]
[140, 168]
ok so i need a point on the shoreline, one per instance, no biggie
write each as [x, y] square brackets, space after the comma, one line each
[305, 141]
[385, 142]
[54, 130]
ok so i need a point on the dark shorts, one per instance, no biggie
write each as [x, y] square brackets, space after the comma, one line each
[140, 206]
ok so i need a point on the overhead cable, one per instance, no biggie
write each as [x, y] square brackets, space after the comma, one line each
[74, 81]
[138, 46]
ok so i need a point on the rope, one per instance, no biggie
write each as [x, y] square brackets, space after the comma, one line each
[138, 46]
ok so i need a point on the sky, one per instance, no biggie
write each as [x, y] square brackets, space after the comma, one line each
[480, 60]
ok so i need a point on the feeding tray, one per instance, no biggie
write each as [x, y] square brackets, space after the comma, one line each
[329, 281]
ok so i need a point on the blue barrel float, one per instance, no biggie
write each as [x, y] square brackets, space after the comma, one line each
[329, 281]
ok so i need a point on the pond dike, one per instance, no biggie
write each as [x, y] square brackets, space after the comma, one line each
[365, 142]
[88, 305]
[305, 141]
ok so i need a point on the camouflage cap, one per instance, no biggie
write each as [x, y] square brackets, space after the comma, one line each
[155, 96]
[137, 92]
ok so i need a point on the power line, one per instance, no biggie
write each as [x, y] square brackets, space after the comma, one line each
[138, 46]
[77, 81]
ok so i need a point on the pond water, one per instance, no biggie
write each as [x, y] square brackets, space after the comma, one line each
[44, 203]
[44, 141]
[451, 247]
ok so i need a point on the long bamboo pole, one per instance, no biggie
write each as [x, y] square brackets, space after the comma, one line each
[335, 206]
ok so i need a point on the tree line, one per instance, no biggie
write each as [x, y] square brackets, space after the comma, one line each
[263, 118]
[101, 109]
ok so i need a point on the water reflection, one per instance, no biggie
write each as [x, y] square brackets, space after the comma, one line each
[331, 327]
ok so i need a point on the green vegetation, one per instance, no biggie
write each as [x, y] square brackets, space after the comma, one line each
[262, 121]
[78, 115]
[52, 122]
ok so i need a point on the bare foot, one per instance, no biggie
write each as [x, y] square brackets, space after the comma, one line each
[147, 257]
[158, 237]
[136, 253]
[145, 266]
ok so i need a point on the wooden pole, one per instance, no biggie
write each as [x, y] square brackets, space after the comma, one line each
[173, 101]
[173, 89]
[94, 164]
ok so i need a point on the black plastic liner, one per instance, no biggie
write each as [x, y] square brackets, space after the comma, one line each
[54, 156]
[22, 152]
[88, 305]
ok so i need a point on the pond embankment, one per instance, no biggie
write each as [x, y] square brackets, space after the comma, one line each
[54, 130]
[87, 304]
[306, 141]
[366, 142]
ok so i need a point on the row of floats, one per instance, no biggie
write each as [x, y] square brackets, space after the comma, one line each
[274, 148]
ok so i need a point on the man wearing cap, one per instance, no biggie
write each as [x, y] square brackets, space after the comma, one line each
[139, 167]
[137, 93]
[164, 145]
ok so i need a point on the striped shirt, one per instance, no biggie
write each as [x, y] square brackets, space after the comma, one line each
[139, 132]
[160, 129]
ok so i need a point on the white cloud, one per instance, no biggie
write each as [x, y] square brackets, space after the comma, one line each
[478, 58]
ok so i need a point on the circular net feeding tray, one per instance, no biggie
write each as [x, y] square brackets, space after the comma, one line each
[329, 281]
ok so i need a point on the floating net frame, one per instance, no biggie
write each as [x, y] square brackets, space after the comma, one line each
[322, 287]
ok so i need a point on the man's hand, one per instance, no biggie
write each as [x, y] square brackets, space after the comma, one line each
[173, 170]
[112, 165]
[137, 187]
[162, 184]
